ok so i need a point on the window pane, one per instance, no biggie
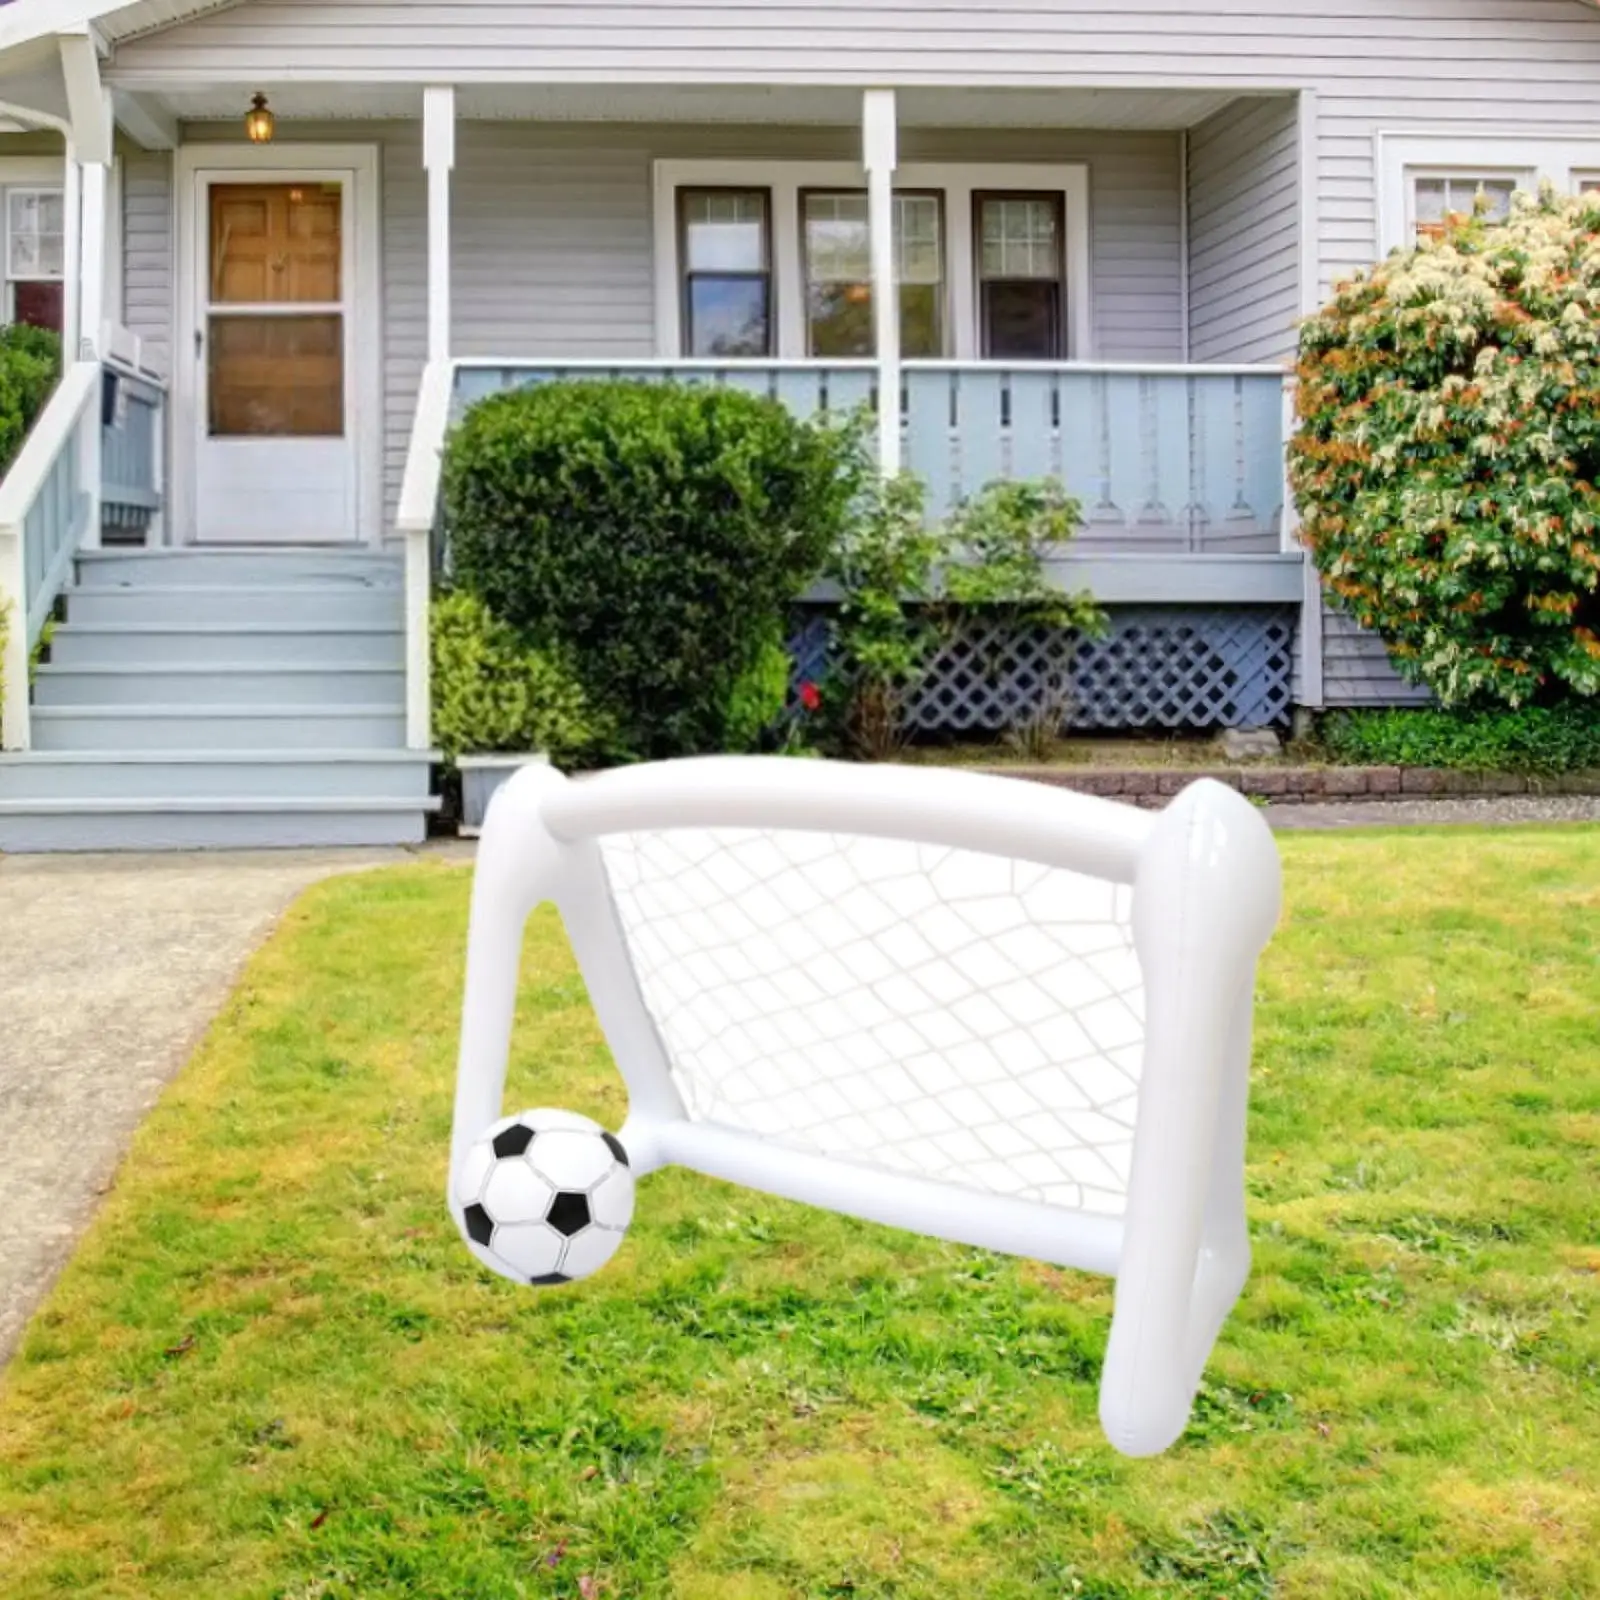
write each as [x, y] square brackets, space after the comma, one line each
[1022, 321]
[921, 321]
[919, 238]
[37, 223]
[276, 377]
[38, 304]
[1435, 200]
[276, 243]
[725, 230]
[838, 243]
[836, 239]
[729, 316]
[1019, 237]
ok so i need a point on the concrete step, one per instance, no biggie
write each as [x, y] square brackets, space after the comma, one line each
[295, 605]
[235, 775]
[39, 826]
[242, 644]
[222, 683]
[352, 567]
[218, 728]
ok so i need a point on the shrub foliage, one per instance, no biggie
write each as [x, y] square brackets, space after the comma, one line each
[653, 536]
[1537, 740]
[30, 366]
[492, 694]
[1448, 453]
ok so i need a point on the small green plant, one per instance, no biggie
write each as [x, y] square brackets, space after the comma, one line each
[1539, 741]
[884, 564]
[491, 693]
[910, 590]
[1001, 542]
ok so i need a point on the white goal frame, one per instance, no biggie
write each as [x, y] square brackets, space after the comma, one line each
[1206, 892]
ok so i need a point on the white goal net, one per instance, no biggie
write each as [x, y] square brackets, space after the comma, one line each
[935, 1012]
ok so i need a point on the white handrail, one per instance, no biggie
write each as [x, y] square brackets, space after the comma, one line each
[1110, 369]
[537, 363]
[55, 430]
[21, 485]
[419, 504]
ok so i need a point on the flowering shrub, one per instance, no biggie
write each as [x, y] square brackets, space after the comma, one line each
[1448, 451]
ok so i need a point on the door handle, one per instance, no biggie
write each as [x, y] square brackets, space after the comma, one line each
[199, 344]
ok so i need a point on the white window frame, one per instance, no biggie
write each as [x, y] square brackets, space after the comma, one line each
[1402, 158]
[958, 183]
[28, 175]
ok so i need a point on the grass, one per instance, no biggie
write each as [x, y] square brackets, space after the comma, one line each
[271, 1371]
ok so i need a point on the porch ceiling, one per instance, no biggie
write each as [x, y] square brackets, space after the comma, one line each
[1126, 109]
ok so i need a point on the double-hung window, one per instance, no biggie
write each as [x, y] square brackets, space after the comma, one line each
[726, 251]
[773, 260]
[35, 257]
[836, 251]
[1022, 292]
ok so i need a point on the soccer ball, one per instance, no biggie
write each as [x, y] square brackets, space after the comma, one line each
[545, 1197]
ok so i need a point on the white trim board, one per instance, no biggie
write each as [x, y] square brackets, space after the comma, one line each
[1529, 158]
[959, 181]
[264, 163]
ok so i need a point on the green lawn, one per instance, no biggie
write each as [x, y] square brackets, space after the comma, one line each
[273, 1372]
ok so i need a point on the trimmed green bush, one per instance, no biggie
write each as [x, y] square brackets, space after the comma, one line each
[30, 368]
[652, 535]
[1536, 740]
[493, 695]
[1447, 461]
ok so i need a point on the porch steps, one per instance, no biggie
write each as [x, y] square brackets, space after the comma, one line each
[221, 698]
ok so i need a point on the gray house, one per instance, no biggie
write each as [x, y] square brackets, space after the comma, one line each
[287, 240]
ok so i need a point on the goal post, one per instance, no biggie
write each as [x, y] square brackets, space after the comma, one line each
[985, 1010]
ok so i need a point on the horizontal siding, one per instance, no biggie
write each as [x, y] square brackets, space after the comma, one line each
[553, 244]
[1481, 65]
[1244, 232]
[1366, 44]
[552, 250]
[1356, 670]
[147, 235]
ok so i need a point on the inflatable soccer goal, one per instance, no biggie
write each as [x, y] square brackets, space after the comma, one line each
[979, 1008]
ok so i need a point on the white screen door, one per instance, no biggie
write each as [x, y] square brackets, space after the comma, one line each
[276, 456]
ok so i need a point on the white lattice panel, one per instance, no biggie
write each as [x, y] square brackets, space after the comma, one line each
[936, 1012]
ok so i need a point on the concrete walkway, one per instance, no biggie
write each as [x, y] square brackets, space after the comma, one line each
[110, 969]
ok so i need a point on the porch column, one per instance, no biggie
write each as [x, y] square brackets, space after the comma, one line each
[439, 159]
[878, 141]
[72, 256]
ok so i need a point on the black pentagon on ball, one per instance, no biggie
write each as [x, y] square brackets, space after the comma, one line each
[569, 1213]
[614, 1145]
[513, 1141]
[549, 1280]
[480, 1225]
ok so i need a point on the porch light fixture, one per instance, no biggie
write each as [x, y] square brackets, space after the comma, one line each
[259, 122]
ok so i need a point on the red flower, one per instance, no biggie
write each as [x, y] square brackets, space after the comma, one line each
[810, 697]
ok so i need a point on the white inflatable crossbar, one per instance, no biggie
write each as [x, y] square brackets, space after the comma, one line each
[981, 1009]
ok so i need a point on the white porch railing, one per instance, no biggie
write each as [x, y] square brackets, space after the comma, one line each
[806, 388]
[1170, 462]
[49, 509]
[1163, 458]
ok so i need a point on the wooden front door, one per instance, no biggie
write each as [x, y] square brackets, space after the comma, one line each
[276, 452]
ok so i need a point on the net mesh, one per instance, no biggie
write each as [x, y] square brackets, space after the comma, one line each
[942, 1013]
